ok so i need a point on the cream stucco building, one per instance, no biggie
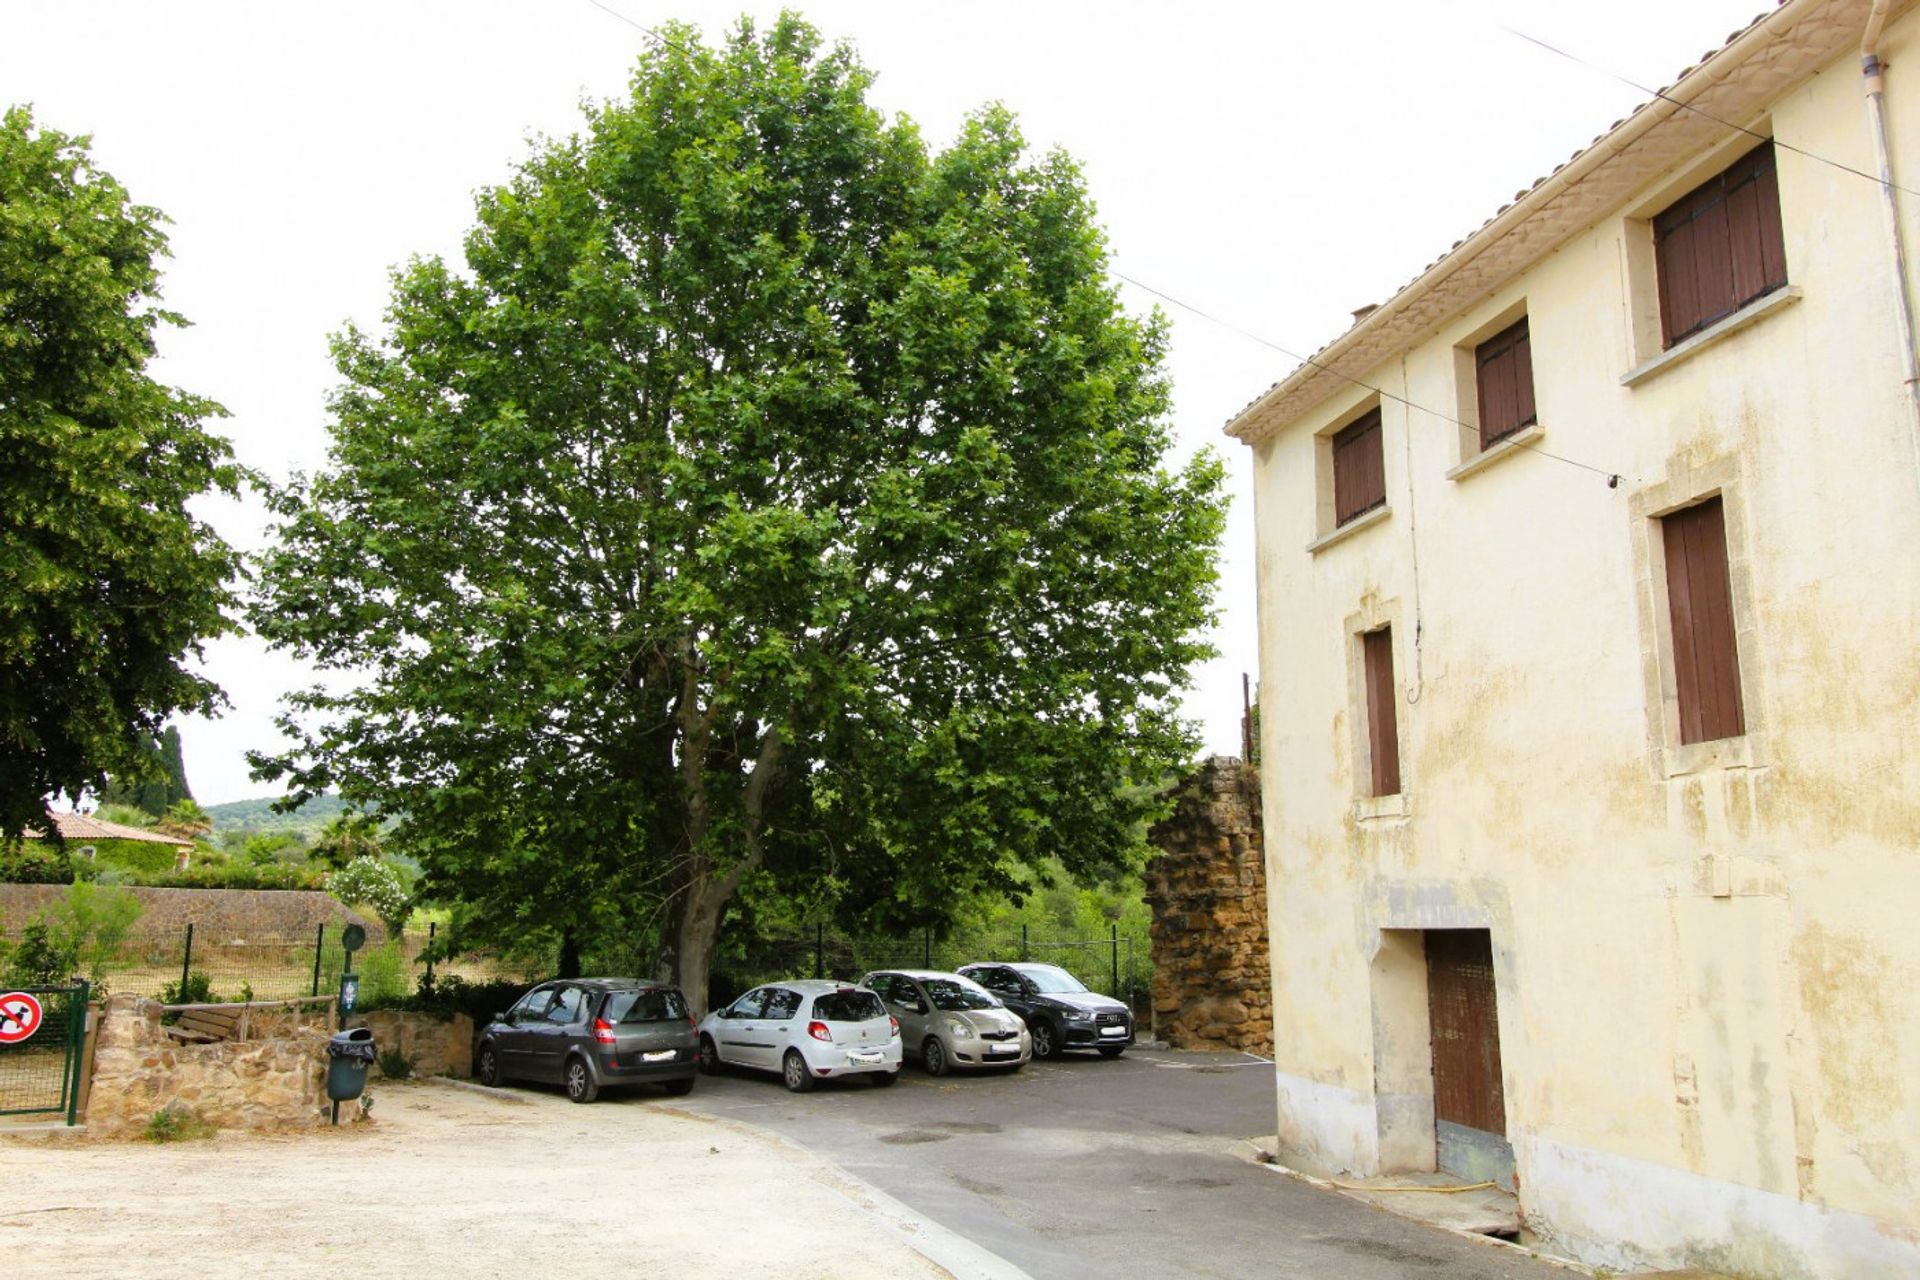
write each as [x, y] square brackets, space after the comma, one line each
[1589, 572]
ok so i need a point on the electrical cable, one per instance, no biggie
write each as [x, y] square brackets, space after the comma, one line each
[1661, 94]
[1612, 478]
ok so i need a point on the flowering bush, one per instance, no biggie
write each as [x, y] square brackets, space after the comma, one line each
[372, 883]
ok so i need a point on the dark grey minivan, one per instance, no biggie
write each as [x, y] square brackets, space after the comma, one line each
[589, 1033]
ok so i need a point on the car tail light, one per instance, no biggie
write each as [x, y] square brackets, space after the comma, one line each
[603, 1031]
[893, 1024]
[820, 1031]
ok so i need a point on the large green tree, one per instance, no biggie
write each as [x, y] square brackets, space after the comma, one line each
[767, 496]
[107, 581]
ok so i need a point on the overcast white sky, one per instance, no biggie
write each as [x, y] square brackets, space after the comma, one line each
[1275, 165]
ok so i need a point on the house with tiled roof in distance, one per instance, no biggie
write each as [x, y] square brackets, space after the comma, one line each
[90, 839]
[1589, 680]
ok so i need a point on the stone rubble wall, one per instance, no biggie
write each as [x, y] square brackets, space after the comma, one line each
[275, 1079]
[438, 1046]
[1212, 987]
[219, 916]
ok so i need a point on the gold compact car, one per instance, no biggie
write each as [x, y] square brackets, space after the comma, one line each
[949, 1022]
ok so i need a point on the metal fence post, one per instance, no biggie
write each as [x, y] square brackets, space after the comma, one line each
[430, 932]
[76, 1044]
[186, 963]
[319, 940]
[926, 954]
[819, 950]
[1024, 950]
[1113, 932]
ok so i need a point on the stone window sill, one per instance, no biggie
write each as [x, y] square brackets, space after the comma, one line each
[1762, 306]
[1371, 808]
[1505, 447]
[1376, 516]
[1706, 757]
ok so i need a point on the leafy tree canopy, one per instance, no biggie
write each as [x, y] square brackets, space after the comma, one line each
[768, 496]
[106, 580]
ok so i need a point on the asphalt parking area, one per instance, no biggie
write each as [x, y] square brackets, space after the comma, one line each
[1083, 1167]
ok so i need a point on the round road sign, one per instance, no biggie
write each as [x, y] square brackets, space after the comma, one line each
[19, 1017]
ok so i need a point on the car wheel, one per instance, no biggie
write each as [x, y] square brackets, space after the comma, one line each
[933, 1056]
[581, 1086]
[710, 1064]
[1112, 1050]
[489, 1067]
[1045, 1044]
[793, 1071]
[881, 1079]
[680, 1088]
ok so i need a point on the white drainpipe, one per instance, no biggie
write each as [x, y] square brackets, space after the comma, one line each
[1874, 74]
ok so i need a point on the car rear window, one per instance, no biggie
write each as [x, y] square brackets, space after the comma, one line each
[848, 1006]
[664, 1005]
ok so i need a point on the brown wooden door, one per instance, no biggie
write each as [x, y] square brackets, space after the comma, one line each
[1466, 1030]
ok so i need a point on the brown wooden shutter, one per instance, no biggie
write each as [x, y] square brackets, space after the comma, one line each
[1464, 1020]
[1505, 365]
[1383, 725]
[1359, 468]
[1706, 660]
[1720, 246]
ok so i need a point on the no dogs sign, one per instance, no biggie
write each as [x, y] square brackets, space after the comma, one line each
[19, 1017]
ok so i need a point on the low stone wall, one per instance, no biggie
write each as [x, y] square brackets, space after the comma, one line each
[277, 1078]
[218, 915]
[1212, 988]
[438, 1046]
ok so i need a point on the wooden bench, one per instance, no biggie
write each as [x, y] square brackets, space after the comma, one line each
[213, 1023]
[208, 1026]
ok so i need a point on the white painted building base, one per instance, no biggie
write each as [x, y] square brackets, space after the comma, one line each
[1608, 1210]
[1624, 1214]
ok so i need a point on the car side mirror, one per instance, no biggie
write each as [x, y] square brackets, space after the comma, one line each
[503, 1016]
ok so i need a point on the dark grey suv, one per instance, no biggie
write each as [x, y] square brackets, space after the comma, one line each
[1059, 1010]
[588, 1033]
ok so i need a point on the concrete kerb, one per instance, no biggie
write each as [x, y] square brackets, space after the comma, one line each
[948, 1250]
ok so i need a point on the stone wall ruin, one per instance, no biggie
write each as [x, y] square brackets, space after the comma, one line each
[1212, 988]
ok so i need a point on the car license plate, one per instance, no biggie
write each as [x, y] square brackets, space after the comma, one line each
[864, 1055]
[1113, 1031]
[1003, 1048]
[659, 1055]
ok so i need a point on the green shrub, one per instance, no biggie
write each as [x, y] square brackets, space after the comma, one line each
[35, 862]
[372, 883]
[198, 989]
[240, 875]
[38, 960]
[177, 1126]
[395, 1065]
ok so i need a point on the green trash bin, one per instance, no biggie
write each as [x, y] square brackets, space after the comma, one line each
[349, 1055]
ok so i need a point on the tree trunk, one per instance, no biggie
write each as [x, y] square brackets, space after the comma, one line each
[694, 934]
[569, 955]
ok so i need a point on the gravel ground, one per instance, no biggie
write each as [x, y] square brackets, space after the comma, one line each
[446, 1181]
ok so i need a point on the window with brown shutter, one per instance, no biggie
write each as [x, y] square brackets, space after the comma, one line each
[1504, 365]
[1719, 247]
[1706, 660]
[1383, 725]
[1359, 468]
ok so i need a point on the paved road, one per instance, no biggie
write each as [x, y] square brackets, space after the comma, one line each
[1084, 1167]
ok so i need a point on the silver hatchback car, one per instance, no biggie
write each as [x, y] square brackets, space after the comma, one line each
[951, 1022]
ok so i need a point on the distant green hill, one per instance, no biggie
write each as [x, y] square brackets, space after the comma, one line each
[259, 815]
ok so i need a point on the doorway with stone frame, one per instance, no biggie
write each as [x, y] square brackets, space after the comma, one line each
[1439, 1097]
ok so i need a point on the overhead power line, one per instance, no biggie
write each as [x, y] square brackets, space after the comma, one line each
[1612, 478]
[1755, 134]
